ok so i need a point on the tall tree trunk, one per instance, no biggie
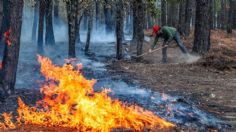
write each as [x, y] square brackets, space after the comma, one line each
[212, 3]
[56, 8]
[182, 16]
[188, 16]
[119, 29]
[11, 52]
[49, 36]
[108, 16]
[97, 13]
[140, 25]
[202, 27]
[35, 23]
[215, 14]
[1, 15]
[135, 20]
[90, 26]
[145, 16]
[175, 14]
[163, 12]
[230, 16]
[193, 20]
[42, 4]
[218, 19]
[5, 18]
[223, 15]
[72, 8]
[234, 14]
[169, 15]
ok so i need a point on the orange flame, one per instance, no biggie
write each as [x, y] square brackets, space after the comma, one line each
[0, 65]
[7, 37]
[8, 122]
[70, 101]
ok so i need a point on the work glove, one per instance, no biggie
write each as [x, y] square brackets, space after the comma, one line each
[150, 50]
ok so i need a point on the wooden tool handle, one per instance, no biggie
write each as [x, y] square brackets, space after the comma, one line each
[152, 51]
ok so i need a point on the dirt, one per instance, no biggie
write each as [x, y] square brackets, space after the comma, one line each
[208, 81]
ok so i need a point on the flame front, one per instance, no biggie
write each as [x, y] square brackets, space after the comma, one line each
[70, 101]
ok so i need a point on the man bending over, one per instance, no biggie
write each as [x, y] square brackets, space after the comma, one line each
[168, 34]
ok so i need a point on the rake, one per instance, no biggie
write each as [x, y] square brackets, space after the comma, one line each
[150, 52]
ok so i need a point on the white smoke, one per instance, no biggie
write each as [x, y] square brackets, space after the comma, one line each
[27, 24]
[191, 58]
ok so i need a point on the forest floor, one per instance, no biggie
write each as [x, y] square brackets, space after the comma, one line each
[209, 81]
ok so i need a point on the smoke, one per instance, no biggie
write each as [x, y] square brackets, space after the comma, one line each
[191, 58]
[60, 31]
[98, 35]
[28, 72]
[27, 24]
[102, 44]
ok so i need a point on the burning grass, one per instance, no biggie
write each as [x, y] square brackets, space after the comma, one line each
[70, 102]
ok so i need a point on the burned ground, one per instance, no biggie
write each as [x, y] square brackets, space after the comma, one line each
[209, 82]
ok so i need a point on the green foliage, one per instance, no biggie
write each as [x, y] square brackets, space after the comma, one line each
[217, 5]
[152, 8]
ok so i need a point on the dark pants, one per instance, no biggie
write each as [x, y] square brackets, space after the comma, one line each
[179, 43]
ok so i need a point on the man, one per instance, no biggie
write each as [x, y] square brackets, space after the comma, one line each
[168, 34]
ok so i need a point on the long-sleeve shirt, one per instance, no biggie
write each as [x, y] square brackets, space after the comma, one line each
[167, 33]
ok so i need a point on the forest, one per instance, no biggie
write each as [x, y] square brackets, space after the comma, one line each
[117, 65]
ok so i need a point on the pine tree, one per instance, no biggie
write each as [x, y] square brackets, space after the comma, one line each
[119, 29]
[72, 8]
[202, 27]
[12, 48]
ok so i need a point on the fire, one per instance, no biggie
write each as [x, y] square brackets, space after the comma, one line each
[70, 101]
[0, 65]
[7, 37]
[7, 119]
